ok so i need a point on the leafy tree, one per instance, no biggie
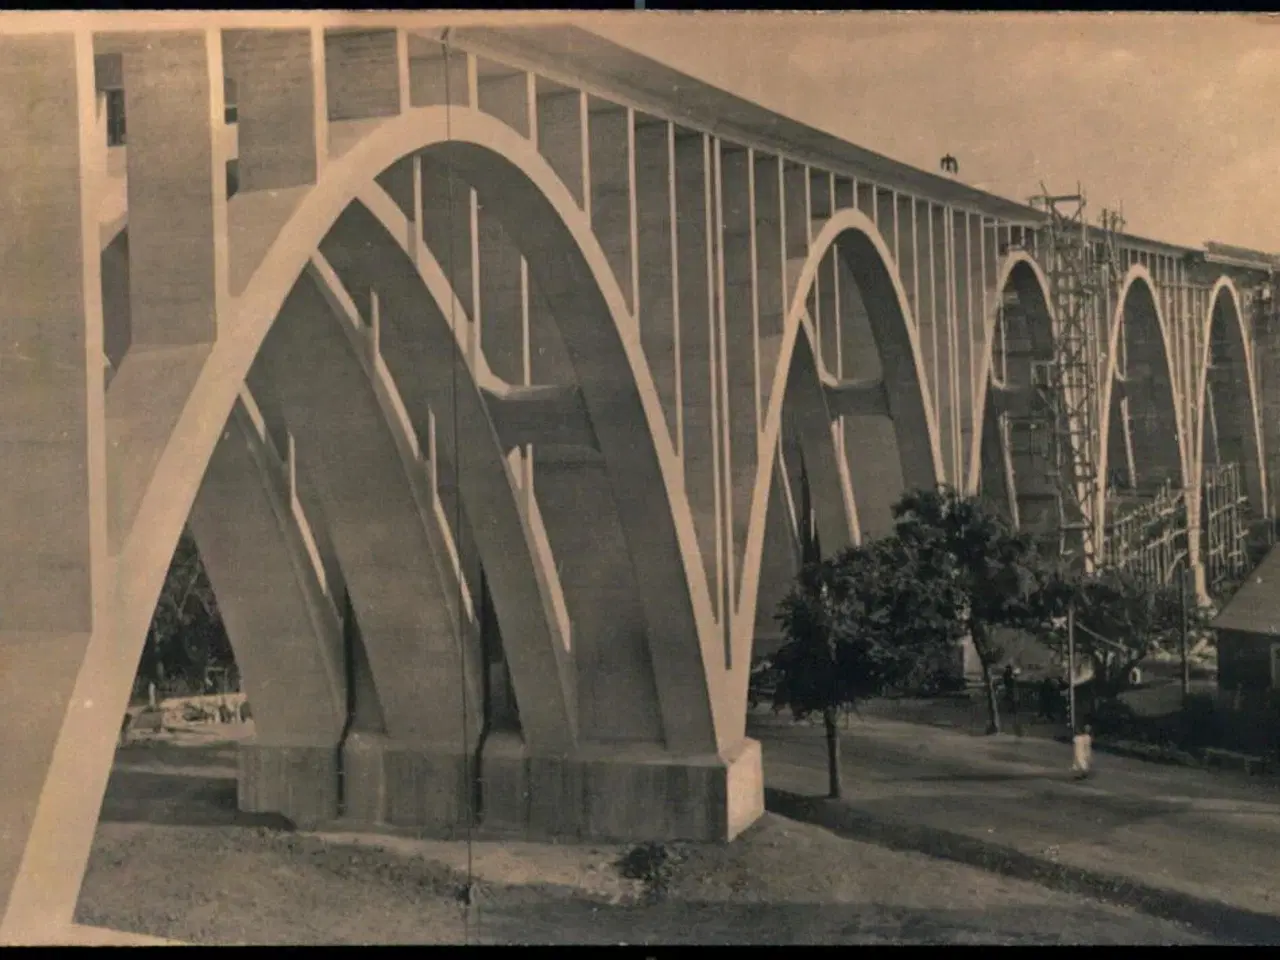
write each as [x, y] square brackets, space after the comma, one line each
[1121, 619]
[186, 634]
[996, 573]
[855, 626]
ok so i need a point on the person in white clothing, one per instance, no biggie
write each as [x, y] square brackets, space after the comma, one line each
[1082, 752]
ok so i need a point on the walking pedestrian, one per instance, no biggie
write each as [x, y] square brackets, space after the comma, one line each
[1082, 753]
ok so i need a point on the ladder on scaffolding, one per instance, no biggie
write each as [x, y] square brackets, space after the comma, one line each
[1080, 272]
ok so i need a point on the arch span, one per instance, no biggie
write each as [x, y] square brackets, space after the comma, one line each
[1029, 335]
[864, 252]
[1233, 420]
[1138, 332]
[617, 389]
[595, 325]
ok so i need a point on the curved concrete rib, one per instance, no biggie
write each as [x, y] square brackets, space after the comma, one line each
[590, 577]
[398, 586]
[285, 632]
[422, 358]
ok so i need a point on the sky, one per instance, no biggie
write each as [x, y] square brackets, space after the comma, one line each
[1171, 115]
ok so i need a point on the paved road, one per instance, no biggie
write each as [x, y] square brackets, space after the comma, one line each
[1208, 836]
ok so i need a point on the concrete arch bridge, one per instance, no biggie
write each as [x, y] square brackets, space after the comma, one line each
[483, 365]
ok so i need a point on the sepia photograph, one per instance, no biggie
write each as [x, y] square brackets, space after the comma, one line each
[641, 478]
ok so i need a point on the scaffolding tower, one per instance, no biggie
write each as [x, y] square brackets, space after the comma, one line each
[1081, 269]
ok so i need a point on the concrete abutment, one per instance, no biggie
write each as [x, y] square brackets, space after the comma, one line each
[604, 792]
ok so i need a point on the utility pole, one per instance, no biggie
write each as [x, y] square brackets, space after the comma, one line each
[1185, 631]
[1071, 665]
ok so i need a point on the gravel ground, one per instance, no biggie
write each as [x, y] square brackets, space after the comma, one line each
[173, 858]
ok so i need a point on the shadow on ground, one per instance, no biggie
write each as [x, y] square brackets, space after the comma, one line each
[1218, 920]
[198, 788]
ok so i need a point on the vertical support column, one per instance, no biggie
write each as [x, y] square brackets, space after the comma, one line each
[927, 315]
[905, 252]
[948, 382]
[770, 274]
[969, 343]
[283, 119]
[178, 250]
[610, 162]
[719, 398]
[403, 82]
[178, 265]
[655, 242]
[55, 624]
[738, 338]
[696, 279]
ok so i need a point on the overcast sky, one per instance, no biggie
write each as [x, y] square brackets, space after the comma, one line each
[1172, 113]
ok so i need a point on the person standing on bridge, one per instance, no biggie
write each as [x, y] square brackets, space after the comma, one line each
[1082, 753]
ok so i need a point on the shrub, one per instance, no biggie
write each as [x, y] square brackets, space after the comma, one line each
[654, 865]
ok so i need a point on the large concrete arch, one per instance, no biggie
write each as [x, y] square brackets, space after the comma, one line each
[1138, 307]
[596, 327]
[1237, 424]
[1032, 331]
[617, 388]
[905, 382]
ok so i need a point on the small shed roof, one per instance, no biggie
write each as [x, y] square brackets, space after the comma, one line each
[1256, 606]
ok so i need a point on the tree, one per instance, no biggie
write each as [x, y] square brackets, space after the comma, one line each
[996, 573]
[1121, 619]
[186, 634]
[855, 626]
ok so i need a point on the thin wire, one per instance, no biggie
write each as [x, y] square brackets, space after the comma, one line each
[457, 468]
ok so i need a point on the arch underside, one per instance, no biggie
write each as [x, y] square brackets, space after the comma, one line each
[1231, 469]
[1229, 430]
[847, 431]
[1144, 447]
[1144, 456]
[1017, 477]
[314, 366]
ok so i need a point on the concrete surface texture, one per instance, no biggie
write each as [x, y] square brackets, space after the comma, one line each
[553, 430]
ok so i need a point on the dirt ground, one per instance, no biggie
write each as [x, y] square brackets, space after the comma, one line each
[173, 858]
